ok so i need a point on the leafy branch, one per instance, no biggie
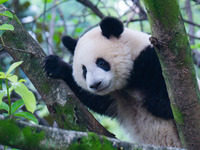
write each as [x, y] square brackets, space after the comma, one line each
[4, 27]
[12, 82]
[28, 97]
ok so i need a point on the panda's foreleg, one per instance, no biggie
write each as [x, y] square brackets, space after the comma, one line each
[56, 68]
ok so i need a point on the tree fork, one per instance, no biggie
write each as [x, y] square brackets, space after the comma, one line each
[173, 49]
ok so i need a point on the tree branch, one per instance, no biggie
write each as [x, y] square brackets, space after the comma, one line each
[24, 135]
[63, 105]
[57, 4]
[18, 50]
[194, 37]
[94, 8]
[63, 20]
[192, 23]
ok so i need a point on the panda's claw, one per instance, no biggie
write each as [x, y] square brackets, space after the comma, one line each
[52, 66]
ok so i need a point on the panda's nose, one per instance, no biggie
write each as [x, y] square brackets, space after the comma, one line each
[95, 85]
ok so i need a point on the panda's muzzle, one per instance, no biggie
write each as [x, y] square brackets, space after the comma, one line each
[95, 85]
[98, 87]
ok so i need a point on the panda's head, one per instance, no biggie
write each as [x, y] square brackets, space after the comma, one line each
[103, 57]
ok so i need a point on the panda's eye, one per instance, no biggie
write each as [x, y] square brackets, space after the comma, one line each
[84, 71]
[103, 64]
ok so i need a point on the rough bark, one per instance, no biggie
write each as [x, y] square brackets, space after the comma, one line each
[63, 105]
[174, 53]
[23, 135]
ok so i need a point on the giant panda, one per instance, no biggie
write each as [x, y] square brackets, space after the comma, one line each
[116, 73]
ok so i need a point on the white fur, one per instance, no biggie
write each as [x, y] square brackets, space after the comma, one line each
[118, 51]
[95, 75]
[141, 126]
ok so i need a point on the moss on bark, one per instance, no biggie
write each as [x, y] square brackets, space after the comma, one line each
[178, 69]
[92, 142]
[13, 134]
[23, 135]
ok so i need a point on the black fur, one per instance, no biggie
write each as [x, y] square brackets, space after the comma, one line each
[147, 77]
[103, 64]
[69, 43]
[84, 71]
[111, 26]
[58, 69]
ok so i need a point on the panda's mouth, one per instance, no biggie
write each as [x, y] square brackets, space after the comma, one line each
[102, 89]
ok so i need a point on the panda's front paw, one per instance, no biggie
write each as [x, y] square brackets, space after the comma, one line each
[53, 66]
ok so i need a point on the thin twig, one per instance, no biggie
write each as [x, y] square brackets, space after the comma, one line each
[192, 23]
[2, 40]
[105, 7]
[43, 24]
[51, 29]
[142, 12]
[145, 19]
[194, 37]
[19, 50]
[63, 19]
[90, 5]
[129, 19]
[190, 18]
[59, 3]
[89, 29]
[135, 20]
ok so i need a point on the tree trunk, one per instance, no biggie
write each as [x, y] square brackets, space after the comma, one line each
[63, 105]
[173, 49]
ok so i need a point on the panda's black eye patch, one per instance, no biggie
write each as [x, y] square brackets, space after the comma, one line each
[84, 71]
[103, 64]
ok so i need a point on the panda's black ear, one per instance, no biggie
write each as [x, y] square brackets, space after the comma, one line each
[70, 43]
[111, 26]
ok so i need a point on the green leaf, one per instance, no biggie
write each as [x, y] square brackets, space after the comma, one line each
[22, 80]
[27, 96]
[3, 1]
[13, 78]
[13, 66]
[6, 27]
[4, 106]
[47, 1]
[27, 115]
[7, 14]
[1, 82]
[2, 75]
[2, 93]
[16, 105]
[2, 31]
